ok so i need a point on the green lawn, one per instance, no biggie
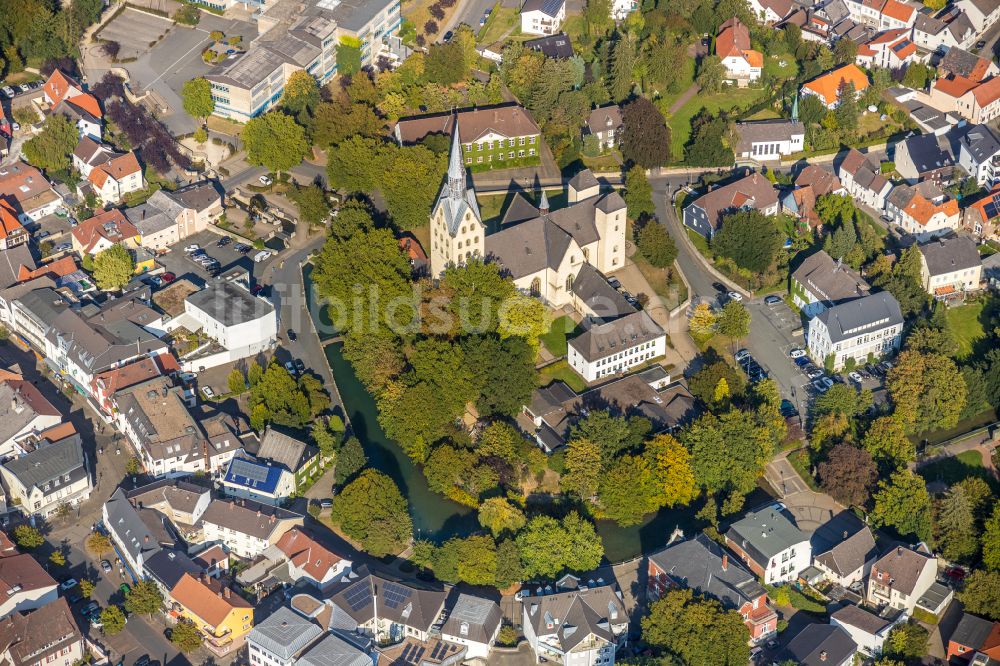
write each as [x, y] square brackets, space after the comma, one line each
[555, 339]
[966, 327]
[729, 98]
[562, 372]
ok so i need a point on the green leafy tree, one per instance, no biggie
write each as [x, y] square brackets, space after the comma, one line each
[498, 516]
[196, 96]
[902, 503]
[750, 239]
[656, 245]
[696, 629]
[113, 268]
[549, 546]
[371, 510]
[53, 147]
[144, 598]
[274, 140]
[112, 620]
[981, 594]
[28, 537]
[185, 636]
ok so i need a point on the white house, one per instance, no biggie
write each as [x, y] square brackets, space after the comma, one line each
[950, 265]
[901, 577]
[542, 17]
[871, 325]
[573, 624]
[259, 481]
[615, 347]
[770, 544]
[866, 629]
[473, 622]
[26, 584]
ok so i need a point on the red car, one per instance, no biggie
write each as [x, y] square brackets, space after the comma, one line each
[168, 277]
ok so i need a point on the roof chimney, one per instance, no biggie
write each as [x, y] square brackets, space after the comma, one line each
[725, 561]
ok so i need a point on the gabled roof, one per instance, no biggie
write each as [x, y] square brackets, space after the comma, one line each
[827, 86]
[698, 564]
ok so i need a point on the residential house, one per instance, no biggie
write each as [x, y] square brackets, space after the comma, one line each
[501, 136]
[900, 577]
[258, 480]
[950, 265]
[137, 533]
[281, 638]
[309, 561]
[24, 414]
[386, 610]
[862, 180]
[982, 13]
[820, 283]
[52, 473]
[542, 17]
[851, 331]
[769, 542]
[605, 123]
[12, 232]
[556, 46]
[923, 210]
[979, 153]
[755, 192]
[25, 585]
[245, 527]
[223, 618]
[294, 455]
[974, 640]
[473, 622]
[844, 550]
[574, 623]
[555, 408]
[770, 12]
[732, 45]
[820, 645]
[47, 635]
[168, 217]
[27, 191]
[615, 347]
[866, 629]
[891, 49]
[242, 324]
[828, 87]
[766, 140]
[924, 157]
[702, 565]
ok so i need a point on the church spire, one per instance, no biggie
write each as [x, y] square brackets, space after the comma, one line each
[456, 170]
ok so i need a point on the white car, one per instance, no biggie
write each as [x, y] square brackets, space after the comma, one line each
[855, 377]
[194, 247]
[797, 353]
[208, 392]
[265, 180]
[735, 296]
[263, 255]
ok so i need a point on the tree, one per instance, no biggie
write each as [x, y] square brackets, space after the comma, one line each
[52, 148]
[57, 559]
[927, 390]
[656, 245]
[638, 193]
[275, 141]
[711, 74]
[113, 268]
[498, 516]
[902, 502]
[98, 544]
[371, 510]
[112, 620]
[750, 239]
[28, 537]
[583, 468]
[888, 444]
[702, 322]
[351, 459]
[196, 96]
[185, 636]
[549, 546]
[981, 595]
[236, 381]
[907, 641]
[672, 470]
[144, 598]
[733, 321]
[645, 136]
[311, 202]
[955, 529]
[301, 96]
[847, 474]
[696, 630]
[991, 538]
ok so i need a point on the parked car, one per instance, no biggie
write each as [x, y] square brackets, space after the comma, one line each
[772, 299]
[106, 566]
[208, 392]
[742, 355]
[68, 584]
[263, 255]
[798, 352]
[193, 247]
[855, 377]
[265, 180]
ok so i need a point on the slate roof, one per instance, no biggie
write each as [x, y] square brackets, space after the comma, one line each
[284, 633]
[610, 338]
[766, 532]
[874, 312]
[948, 254]
[697, 564]
[903, 566]
[831, 281]
[573, 615]
[821, 645]
[402, 602]
[856, 616]
[472, 618]
[56, 465]
[229, 304]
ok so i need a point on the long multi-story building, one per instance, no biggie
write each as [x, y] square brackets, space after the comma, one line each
[295, 38]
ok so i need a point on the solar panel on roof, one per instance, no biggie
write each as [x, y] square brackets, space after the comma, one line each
[357, 596]
[394, 594]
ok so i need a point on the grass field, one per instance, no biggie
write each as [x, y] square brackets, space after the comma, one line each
[555, 339]
[966, 327]
[729, 98]
[561, 371]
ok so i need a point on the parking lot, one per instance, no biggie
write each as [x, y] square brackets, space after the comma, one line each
[135, 31]
[183, 265]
